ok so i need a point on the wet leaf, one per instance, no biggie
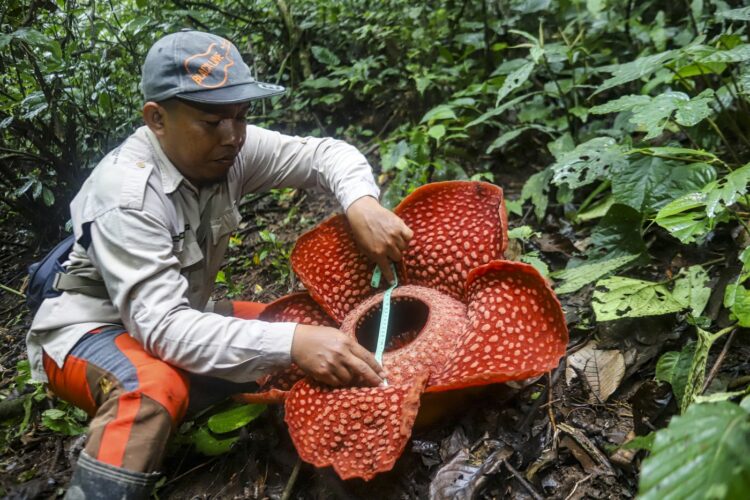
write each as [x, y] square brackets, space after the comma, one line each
[441, 112]
[536, 189]
[617, 234]
[634, 70]
[464, 476]
[704, 453]
[737, 300]
[619, 297]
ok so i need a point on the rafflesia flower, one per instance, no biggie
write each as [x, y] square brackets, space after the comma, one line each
[461, 317]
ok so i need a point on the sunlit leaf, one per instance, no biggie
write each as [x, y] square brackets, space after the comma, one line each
[514, 80]
[232, 419]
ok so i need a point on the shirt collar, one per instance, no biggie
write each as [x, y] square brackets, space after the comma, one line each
[171, 178]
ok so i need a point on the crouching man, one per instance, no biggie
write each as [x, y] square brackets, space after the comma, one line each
[133, 338]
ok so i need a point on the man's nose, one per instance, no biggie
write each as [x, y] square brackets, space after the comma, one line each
[231, 132]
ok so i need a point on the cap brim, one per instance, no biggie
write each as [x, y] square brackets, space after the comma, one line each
[236, 93]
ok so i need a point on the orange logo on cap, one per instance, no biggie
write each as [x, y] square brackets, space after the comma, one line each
[213, 70]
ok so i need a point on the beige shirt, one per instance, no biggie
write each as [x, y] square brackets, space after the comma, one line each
[157, 242]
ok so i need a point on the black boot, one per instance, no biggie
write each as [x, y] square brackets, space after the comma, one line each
[95, 480]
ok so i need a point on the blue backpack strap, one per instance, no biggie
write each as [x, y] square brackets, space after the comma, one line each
[42, 274]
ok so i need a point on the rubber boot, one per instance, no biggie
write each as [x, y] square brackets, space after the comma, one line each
[95, 480]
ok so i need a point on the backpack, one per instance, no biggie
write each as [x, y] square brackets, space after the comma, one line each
[47, 278]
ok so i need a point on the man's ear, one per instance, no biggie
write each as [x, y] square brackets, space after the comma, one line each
[153, 115]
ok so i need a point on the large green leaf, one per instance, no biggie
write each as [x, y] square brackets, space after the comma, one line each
[727, 190]
[691, 288]
[682, 220]
[515, 80]
[704, 453]
[536, 189]
[737, 300]
[617, 234]
[634, 70]
[592, 160]
[234, 418]
[673, 367]
[649, 183]
[741, 14]
[619, 297]
[575, 278]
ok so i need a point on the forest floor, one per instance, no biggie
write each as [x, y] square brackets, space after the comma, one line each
[554, 438]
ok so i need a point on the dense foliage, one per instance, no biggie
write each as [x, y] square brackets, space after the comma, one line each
[632, 114]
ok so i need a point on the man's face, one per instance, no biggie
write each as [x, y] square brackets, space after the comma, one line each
[202, 140]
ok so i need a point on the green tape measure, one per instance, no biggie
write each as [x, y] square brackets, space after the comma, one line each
[383, 330]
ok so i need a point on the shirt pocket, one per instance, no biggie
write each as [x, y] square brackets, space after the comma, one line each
[225, 224]
[189, 252]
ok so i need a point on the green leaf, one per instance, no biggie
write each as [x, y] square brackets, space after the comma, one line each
[499, 109]
[325, 56]
[682, 220]
[535, 260]
[674, 368]
[588, 162]
[322, 83]
[741, 53]
[617, 234]
[221, 277]
[576, 278]
[634, 70]
[704, 453]
[741, 14]
[691, 288]
[536, 189]
[695, 110]
[521, 233]
[508, 136]
[624, 103]
[640, 442]
[209, 445]
[48, 196]
[619, 297]
[441, 112]
[437, 132]
[737, 300]
[235, 418]
[727, 190]
[514, 80]
[649, 183]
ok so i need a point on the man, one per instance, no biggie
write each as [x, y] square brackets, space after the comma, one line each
[152, 224]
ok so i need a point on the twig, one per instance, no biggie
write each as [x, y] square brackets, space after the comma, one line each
[192, 470]
[595, 453]
[292, 479]
[550, 410]
[532, 491]
[718, 362]
[575, 486]
[11, 290]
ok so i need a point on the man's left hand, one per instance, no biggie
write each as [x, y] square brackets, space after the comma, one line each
[380, 233]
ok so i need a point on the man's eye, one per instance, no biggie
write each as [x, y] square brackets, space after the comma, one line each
[213, 123]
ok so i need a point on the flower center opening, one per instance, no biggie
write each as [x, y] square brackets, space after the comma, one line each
[407, 319]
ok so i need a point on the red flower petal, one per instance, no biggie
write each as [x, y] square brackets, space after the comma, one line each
[359, 431]
[327, 260]
[458, 225]
[298, 308]
[516, 328]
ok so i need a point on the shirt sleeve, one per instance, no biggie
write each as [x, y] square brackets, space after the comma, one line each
[133, 251]
[273, 160]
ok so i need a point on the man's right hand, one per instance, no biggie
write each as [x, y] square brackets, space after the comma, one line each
[330, 357]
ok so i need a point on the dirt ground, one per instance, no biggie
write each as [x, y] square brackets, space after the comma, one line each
[549, 439]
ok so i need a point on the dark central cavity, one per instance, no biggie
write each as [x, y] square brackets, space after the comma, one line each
[407, 319]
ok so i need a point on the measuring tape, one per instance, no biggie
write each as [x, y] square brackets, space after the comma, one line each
[383, 330]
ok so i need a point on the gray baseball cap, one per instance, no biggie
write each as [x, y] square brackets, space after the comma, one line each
[200, 67]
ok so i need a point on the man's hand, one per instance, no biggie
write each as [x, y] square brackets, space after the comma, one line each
[330, 357]
[380, 233]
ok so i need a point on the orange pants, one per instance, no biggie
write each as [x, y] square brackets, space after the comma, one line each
[135, 399]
